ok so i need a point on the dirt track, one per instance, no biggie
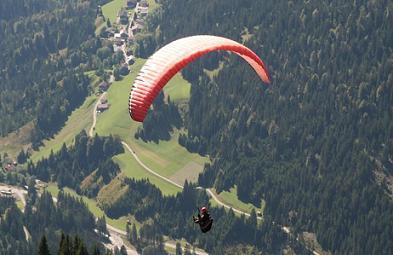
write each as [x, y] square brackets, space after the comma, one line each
[95, 114]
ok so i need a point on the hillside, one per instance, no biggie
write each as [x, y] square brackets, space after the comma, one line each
[309, 157]
[312, 143]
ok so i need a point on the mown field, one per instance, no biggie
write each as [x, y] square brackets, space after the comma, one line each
[111, 9]
[14, 142]
[165, 157]
[230, 199]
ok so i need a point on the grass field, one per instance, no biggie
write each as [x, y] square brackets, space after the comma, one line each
[166, 157]
[20, 204]
[92, 205]
[79, 119]
[230, 198]
[132, 169]
[178, 89]
[14, 142]
[111, 9]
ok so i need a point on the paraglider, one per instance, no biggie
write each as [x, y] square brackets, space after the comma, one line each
[170, 59]
[204, 220]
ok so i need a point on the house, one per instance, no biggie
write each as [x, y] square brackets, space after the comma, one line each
[102, 107]
[123, 34]
[140, 22]
[137, 26]
[131, 60]
[117, 36]
[143, 12]
[118, 46]
[5, 193]
[99, 11]
[130, 4]
[104, 101]
[129, 52]
[118, 39]
[103, 86]
[9, 167]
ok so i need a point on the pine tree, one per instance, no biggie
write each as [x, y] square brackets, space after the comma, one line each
[64, 246]
[133, 235]
[96, 251]
[43, 247]
[178, 249]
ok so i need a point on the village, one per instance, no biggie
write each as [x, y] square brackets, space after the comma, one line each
[121, 35]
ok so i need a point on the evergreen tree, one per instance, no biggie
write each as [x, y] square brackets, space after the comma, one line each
[123, 250]
[133, 235]
[64, 246]
[43, 247]
[178, 249]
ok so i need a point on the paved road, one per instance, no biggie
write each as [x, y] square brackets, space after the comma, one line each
[91, 131]
[180, 186]
[117, 233]
[211, 193]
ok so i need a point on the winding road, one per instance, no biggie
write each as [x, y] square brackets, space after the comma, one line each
[117, 233]
[209, 191]
[149, 169]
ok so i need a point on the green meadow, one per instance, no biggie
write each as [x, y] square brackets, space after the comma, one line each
[165, 157]
[230, 198]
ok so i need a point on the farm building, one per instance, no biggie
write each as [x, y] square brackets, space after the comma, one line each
[102, 107]
[103, 86]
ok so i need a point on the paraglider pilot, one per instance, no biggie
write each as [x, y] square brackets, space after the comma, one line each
[204, 220]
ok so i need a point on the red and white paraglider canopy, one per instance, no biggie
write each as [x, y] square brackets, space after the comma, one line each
[171, 58]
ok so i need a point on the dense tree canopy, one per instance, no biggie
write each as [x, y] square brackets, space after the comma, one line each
[87, 157]
[318, 143]
[42, 216]
[46, 47]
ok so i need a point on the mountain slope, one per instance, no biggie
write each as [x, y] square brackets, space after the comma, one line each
[310, 143]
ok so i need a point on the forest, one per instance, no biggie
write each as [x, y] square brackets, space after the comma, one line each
[41, 216]
[172, 216]
[317, 144]
[47, 47]
[87, 157]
